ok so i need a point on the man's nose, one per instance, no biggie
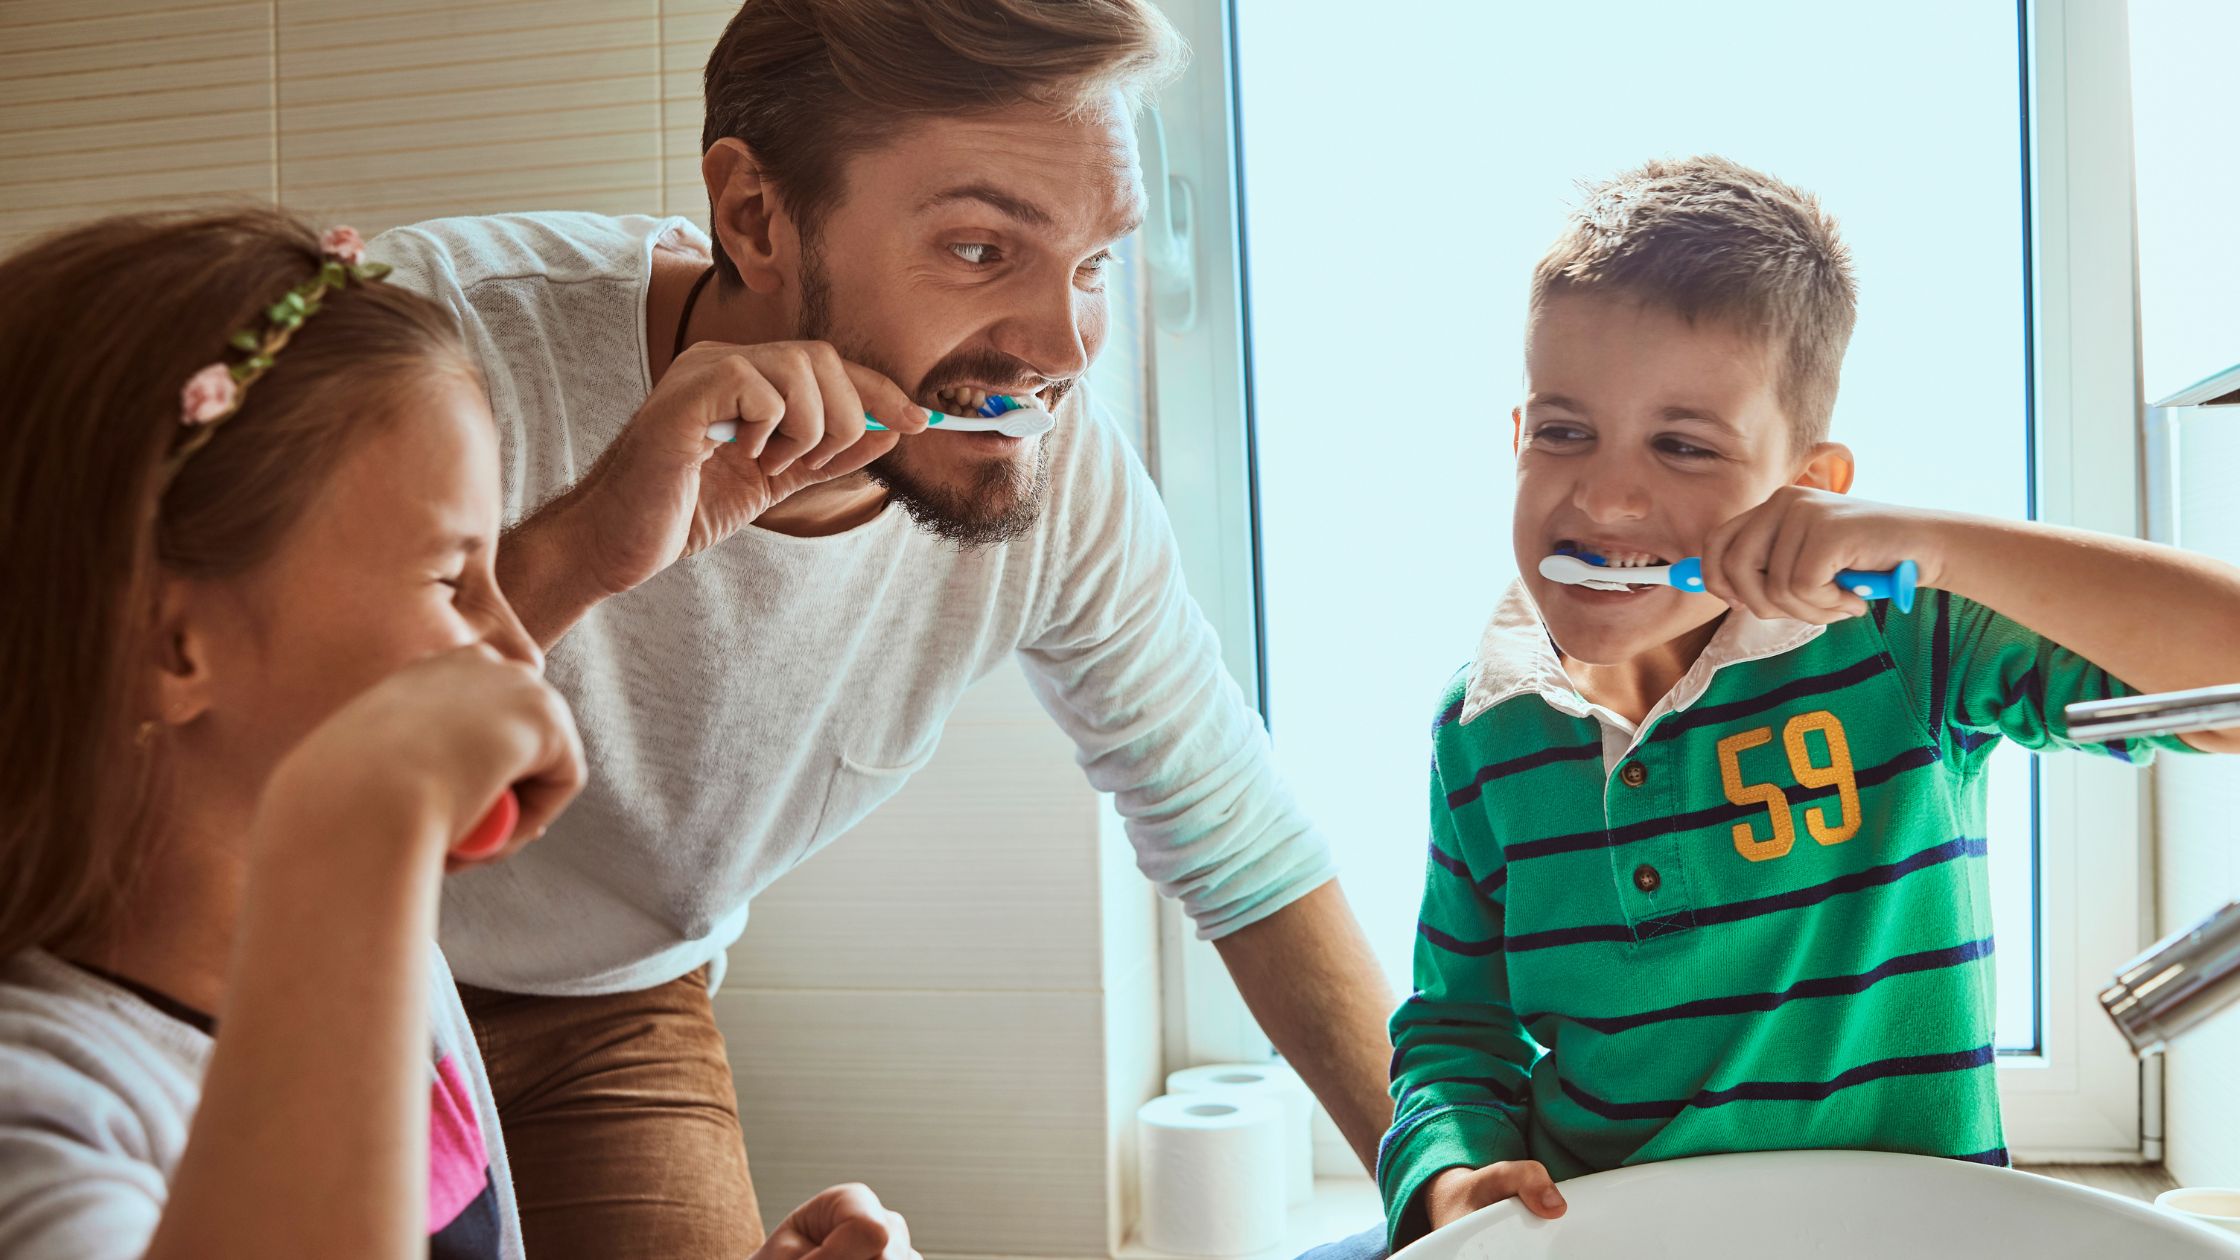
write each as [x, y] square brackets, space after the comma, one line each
[1046, 332]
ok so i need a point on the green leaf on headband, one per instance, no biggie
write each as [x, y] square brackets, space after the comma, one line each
[243, 340]
[372, 270]
[240, 372]
[277, 313]
[259, 363]
[294, 301]
[332, 273]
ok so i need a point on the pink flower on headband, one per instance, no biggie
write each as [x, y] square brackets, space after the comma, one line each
[343, 245]
[210, 394]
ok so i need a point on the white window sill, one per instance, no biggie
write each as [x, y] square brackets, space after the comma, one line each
[1341, 1207]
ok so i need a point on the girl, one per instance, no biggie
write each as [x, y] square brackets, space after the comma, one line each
[260, 686]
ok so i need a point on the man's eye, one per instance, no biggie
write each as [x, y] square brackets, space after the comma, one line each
[977, 255]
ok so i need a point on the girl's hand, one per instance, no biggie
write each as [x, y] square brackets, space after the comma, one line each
[1780, 558]
[436, 743]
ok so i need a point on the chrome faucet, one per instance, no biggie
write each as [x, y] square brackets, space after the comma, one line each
[2195, 973]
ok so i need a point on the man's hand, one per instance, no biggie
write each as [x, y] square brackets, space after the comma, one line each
[665, 490]
[1780, 559]
[843, 1223]
[1458, 1192]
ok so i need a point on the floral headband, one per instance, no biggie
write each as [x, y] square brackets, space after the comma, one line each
[216, 391]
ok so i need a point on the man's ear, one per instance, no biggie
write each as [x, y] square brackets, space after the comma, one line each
[179, 661]
[1516, 430]
[747, 221]
[1830, 467]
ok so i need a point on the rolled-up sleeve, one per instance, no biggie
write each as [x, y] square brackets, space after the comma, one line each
[1130, 668]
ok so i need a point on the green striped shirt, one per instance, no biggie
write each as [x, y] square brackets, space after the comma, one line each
[1760, 922]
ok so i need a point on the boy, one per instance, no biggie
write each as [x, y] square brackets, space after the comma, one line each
[1722, 855]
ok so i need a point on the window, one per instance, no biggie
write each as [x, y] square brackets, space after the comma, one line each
[1397, 181]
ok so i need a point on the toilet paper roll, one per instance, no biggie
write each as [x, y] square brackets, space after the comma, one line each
[1275, 1081]
[1211, 1173]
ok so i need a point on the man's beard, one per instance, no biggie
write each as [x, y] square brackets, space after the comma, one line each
[1003, 498]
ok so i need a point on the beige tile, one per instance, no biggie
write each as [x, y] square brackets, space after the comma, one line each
[135, 36]
[478, 114]
[979, 1116]
[70, 147]
[534, 81]
[688, 31]
[118, 105]
[518, 105]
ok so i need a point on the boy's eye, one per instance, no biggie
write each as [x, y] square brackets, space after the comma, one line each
[975, 253]
[1556, 431]
[1685, 450]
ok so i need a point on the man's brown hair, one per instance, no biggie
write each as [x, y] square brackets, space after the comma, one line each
[102, 326]
[1716, 240]
[807, 84]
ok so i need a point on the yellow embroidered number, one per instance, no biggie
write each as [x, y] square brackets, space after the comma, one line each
[1837, 774]
[1774, 799]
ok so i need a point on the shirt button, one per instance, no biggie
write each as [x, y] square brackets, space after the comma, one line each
[1634, 774]
[1645, 878]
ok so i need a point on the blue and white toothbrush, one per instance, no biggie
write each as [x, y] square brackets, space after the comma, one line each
[1582, 568]
[1001, 413]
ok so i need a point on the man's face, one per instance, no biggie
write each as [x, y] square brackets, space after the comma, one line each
[1640, 433]
[973, 252]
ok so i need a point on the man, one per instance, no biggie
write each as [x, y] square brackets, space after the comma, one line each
[913, 202]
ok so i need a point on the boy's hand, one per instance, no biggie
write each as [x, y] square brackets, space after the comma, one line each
[1458, 1192]
[1780, 558]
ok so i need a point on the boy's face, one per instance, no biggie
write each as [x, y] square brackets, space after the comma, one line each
[1640, 433]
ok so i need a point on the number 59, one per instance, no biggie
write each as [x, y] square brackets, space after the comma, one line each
[1836, 773]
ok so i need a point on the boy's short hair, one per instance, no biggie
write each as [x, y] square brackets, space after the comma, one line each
[1713, 239]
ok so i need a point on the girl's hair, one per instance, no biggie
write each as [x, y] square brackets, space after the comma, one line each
[100, 329]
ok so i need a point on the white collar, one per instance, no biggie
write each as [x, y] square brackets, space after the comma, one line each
[1516, 657]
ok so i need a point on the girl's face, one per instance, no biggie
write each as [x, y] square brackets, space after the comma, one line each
[391, 562]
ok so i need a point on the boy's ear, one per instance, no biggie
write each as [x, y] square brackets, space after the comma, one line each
[1829, 467]
[1516, 430]
[747, 222]
[180, 662]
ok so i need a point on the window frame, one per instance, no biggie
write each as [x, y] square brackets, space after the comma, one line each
[2079, 1096]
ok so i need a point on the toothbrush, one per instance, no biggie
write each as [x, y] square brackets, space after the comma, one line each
[496, 827]
[1000, 414]
[1584, 569]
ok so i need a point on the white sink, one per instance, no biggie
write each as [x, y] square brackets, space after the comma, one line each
[1825, 1205]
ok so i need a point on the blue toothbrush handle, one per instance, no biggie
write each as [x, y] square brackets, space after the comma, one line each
[1896, 585]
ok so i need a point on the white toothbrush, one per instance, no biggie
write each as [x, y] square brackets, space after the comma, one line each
[1574, 571]
[1687, 575]
[1013, 419]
